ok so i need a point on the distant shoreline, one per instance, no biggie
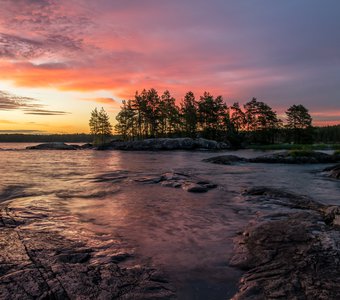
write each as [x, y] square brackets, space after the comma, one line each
[46, 138]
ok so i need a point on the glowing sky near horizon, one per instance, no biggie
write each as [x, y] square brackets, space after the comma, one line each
[61, 58]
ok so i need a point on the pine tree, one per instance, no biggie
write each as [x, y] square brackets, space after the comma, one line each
[100, 126]
[189, 114]
[299, 124]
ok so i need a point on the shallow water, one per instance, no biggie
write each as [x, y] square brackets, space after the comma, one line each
[186, 235]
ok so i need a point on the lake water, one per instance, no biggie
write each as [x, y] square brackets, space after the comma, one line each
[188, 236]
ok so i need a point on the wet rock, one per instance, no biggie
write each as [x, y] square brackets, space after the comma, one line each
[282, 198]
[293, 253]
[120, 257]
[164, 144]
[37, 263]
[332, 215]
[224, 159]
[333, 172]
[187, 182]
[53, 146]
[74, 258]
[195, 188]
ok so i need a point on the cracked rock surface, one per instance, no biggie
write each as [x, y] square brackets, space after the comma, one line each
[291, 254]
[38, 262]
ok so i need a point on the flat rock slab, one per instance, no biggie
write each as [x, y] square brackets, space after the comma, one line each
[40, 263]
[293, 253]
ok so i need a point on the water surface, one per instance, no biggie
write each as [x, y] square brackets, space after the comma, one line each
[187, 236]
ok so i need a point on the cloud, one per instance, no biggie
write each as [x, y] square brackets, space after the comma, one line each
[12, 46]
[9, 102]
[53, 45]
[44, 112]
[21, 131]
[29, 105]
[239, 49]
[104, 100]
[7, 122]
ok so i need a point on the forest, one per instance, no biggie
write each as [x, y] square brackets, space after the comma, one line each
[150, 115]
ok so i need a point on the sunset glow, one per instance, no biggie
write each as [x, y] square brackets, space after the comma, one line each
[61, 59]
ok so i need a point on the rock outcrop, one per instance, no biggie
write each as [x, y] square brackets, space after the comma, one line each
[293, 253]
[165, 144]
[295, 157]
[286, 157]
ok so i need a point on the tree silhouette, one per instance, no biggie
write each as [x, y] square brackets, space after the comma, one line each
[128, 124]
[211, 115]
[261, 120]
[150, 115]
[299, 123]
[189, 114]
[100, 126]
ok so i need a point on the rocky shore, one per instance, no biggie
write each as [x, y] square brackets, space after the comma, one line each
[140, 145]
[286, 157]
[37, 261]
[290, 252]
[165, 144]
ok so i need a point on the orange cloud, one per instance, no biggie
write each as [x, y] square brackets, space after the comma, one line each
[104, 100]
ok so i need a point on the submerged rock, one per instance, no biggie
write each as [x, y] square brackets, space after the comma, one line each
[187, 182]
[165, 144]
[293, 253]
[225, 159]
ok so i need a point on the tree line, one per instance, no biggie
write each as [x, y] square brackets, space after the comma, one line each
[150, 115]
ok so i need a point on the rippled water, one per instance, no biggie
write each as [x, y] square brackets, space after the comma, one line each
[188, 236]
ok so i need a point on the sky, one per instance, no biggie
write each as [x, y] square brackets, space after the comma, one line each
[59, 59]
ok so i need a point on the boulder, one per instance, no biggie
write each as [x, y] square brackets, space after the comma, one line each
[224, 159]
